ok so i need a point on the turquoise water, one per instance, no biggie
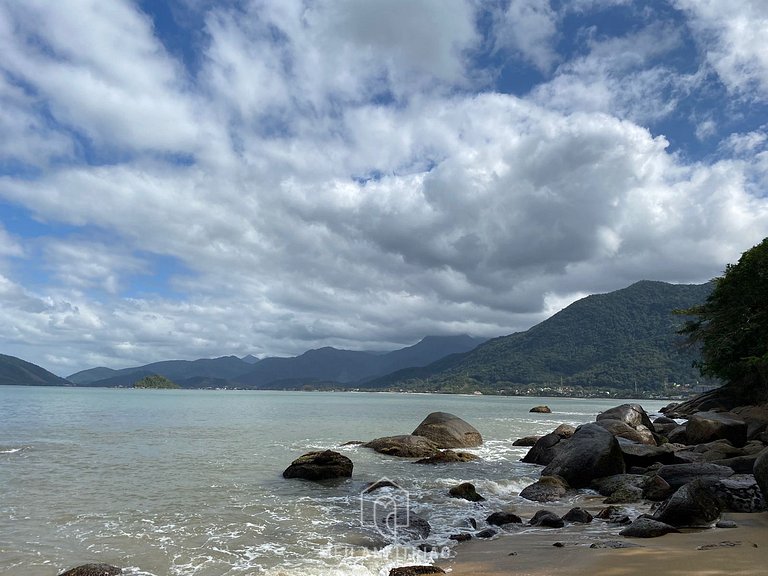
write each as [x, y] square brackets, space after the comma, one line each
[189, 482]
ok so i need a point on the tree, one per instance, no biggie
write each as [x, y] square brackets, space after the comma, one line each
[732, 326]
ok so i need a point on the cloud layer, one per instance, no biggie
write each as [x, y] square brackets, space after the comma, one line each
[356, 173]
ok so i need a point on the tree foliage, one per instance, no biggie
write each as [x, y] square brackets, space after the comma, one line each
[155, 381]
[732, 325]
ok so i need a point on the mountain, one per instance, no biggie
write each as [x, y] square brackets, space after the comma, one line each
[621, 340]
[250, 358]
[347, 366]
[226, 367]
[15, 371]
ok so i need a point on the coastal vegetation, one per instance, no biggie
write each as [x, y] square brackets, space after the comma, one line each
[156, 381]
[731, 326]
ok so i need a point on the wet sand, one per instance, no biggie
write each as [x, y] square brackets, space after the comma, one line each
[741, 551]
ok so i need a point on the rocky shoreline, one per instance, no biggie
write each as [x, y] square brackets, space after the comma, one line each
[618, 482]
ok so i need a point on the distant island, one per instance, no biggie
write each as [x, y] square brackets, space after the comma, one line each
[156, 381]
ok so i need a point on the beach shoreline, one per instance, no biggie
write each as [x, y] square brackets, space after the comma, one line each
[740, 551]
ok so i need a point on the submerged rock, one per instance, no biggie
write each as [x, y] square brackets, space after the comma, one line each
[541, 410]
[449, 457]
[448, 431]
[465, 491]
[416, 570]
[93, 570]
[546, 519]
[321, 465]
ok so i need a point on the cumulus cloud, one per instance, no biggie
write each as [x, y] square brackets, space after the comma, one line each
[732, 36]
[329, 176]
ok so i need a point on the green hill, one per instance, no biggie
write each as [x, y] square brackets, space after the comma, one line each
[15, 371]
[623, 340]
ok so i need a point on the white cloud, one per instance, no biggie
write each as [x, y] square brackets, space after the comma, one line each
[733, 36]
[320, 211]
[100, 71]
[529, 28]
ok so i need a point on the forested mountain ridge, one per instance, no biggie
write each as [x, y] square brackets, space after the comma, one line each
[620, 340]
[15, 371]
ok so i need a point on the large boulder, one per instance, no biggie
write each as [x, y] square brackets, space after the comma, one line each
[620, 429]
[692, 506]
[544, 450]
[578, 516]
[644, 455]
[738, 493]
[708, 426]
[448, 431]
[676, 475]
[93, 570]
[647, 528]
[632, 415]
[321, 465]
[502, 518]
[760, 470]
[545, 489]
[592, 452]
[404, 446]
[756, 418]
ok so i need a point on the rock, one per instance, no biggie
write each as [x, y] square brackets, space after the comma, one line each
[448, 431]
[756, 418]
[657, 489]
[487, 533]
[460, 537]
[564, 431]
[726, 524]
[739, 464]
[647, 528]
[738, 493]
[321, 465]
[373, 486]
[663, 420]
[448, 457]
[465, 491]
[678, 435]
[93, 570]
[760, 470]
[402, 524]
[707, 426]
[641, 434]
[502, 518]
[632, 415]
[691, 506]
[526, 441]
[415, 570]
[541, 410]
[676, 475]
[404, 446]
[613, 515]
[577, 516]
[645, 455]
[591, 453]
[610, 484]
[546, 519]
[545, 489]
[544, 450]
[614, 544]
[625, 495]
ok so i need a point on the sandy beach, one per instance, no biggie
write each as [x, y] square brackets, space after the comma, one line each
[740, 551]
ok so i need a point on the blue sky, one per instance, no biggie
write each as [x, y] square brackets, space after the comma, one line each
[188, 178]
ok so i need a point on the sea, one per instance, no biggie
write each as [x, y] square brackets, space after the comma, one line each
[189, 482]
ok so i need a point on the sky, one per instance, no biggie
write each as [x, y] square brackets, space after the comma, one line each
[183, 179]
